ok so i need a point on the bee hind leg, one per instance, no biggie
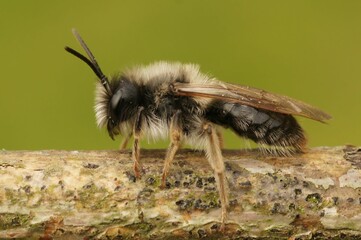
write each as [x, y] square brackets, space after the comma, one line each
[215, 159]
[175, 138]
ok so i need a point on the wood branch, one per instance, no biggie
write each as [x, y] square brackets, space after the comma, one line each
[94, 195]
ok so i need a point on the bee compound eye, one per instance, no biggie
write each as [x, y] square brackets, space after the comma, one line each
[115, 99]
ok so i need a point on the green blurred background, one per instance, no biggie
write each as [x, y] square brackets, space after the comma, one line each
[308, 50]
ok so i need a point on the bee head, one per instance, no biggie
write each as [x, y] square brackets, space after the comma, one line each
[113, 109]
[113, 98]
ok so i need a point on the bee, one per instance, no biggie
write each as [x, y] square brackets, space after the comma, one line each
[176, 100]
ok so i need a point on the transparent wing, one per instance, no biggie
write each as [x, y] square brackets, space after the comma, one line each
[252, 97]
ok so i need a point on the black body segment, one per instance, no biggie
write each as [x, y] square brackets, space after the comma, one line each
[261, 126]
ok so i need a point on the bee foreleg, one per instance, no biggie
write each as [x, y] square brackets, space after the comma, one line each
[124, 143]
[136, 147]
[175, 140]
[215, 159]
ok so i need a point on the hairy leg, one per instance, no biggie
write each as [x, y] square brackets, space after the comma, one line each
[215, 159]
[124, 143]
[136, 147]
[220, 137]
[175, 139]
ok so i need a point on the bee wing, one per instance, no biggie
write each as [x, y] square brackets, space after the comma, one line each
[252, 97]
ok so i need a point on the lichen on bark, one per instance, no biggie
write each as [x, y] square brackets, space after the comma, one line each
[95, 195]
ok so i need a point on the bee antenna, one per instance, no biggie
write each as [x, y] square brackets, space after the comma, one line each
[92, 63]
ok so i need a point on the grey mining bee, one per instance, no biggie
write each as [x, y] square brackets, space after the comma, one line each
[176, 100]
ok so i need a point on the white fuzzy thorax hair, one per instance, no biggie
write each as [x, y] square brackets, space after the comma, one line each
[156, 73]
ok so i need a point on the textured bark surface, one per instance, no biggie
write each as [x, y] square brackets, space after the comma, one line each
[94, 195]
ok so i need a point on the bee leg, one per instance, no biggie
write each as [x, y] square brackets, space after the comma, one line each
[215, 159]
[175, 138]
[124, 143]
[220, 137]
[136, 148]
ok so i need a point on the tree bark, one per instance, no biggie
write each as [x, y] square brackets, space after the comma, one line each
[94, 195]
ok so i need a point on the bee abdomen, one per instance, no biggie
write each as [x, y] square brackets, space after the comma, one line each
[278, 130]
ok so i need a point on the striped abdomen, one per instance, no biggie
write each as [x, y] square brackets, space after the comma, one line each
[278, 130]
